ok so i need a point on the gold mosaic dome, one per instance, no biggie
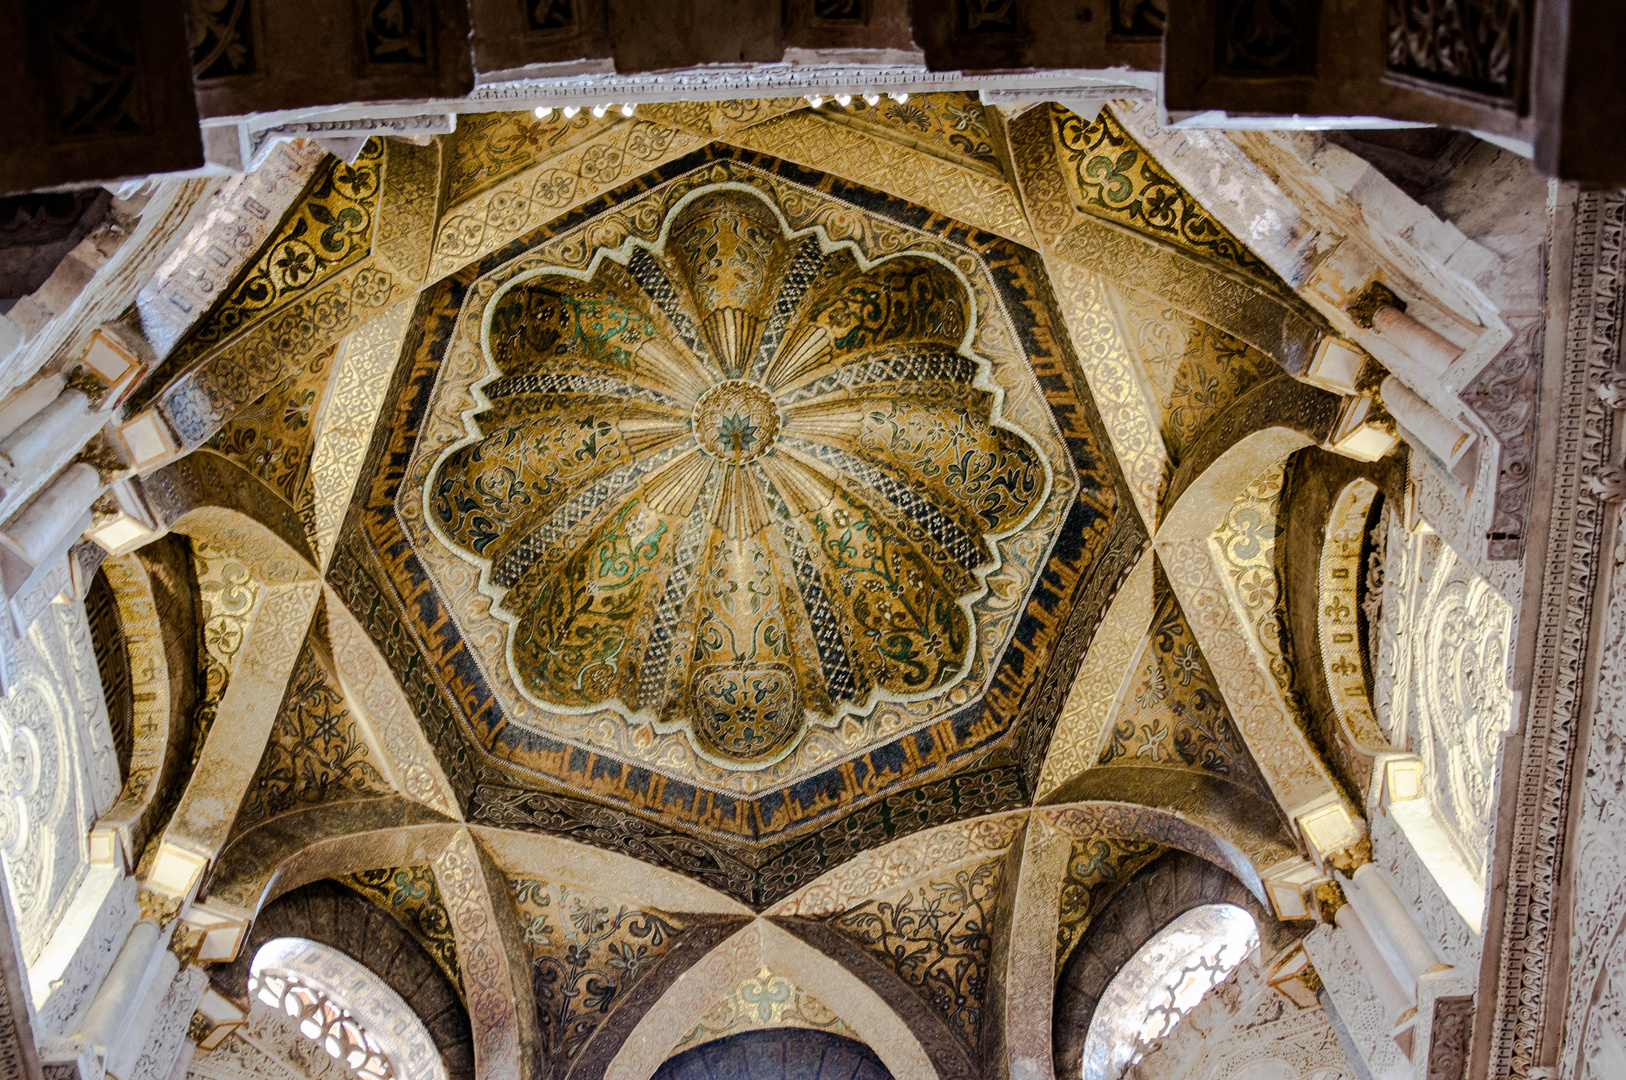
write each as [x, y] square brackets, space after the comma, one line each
[738, 479]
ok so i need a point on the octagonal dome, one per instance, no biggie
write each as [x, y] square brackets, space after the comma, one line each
[739, 481]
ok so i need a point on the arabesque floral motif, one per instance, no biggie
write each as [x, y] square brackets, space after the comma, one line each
[1110, 175]
[737, 481]
[1175, 716]
[587, 951]
[938, 936]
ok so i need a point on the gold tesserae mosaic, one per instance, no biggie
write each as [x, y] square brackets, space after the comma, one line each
[738, 481]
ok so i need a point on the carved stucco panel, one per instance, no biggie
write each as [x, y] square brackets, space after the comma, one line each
[58, 771]
[1433, 910]
[69, 982]
[1244, 1027]
[168, 1032]
[1357, 1005]
[269, 1046]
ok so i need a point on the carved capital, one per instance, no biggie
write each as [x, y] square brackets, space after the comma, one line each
[185, 942]
[1367, 302]
[158, 908]
[1329, 897]
[1350, 858]
[88, 383]
[104, 459]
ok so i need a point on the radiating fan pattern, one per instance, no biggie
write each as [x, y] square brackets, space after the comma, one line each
[738, 480]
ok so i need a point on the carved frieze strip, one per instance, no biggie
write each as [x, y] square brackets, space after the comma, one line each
[1367, 1024]
[235, 223]
[551, 188]
[19, 1060]
[1530, 847]
[1448, 1037]
[168, 1031]
[244, 350]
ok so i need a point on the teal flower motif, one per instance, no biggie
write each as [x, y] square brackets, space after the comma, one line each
[738, 431]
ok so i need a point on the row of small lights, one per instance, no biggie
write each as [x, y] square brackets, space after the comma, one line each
[545, 111]
[845, 100]
[815, 100]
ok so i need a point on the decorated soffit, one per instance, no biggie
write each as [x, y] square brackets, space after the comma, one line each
[1097, 867]
[740, 488]
[724, 501]
[1170, 741]
[765, 507]
[1110, 176]
[1190, 370]
[273, 438]
[937, 934]
[316, 753]
[587, 950]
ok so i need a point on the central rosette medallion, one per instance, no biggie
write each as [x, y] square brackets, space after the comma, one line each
[736, 421]
[735, 479]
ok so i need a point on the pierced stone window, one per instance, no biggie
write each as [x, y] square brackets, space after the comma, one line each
[345, 1009]
[1162, 982]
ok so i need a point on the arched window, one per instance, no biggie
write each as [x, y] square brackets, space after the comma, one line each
[345, 1009]
[1162, 982]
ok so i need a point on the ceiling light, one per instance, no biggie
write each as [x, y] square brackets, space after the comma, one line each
[572, 110]
[600, 110]
[844, 100]
[900, 98]
[873, 99]
[815, 101]
[544, 111]
[626, 110]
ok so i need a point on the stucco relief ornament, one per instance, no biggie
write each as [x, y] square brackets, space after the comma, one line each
[737, 481]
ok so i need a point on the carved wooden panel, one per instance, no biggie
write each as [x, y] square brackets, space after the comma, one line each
[95, 90]
[258, 56]
[1453, 63]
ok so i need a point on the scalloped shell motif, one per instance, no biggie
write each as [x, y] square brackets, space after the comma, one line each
[738, 479]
